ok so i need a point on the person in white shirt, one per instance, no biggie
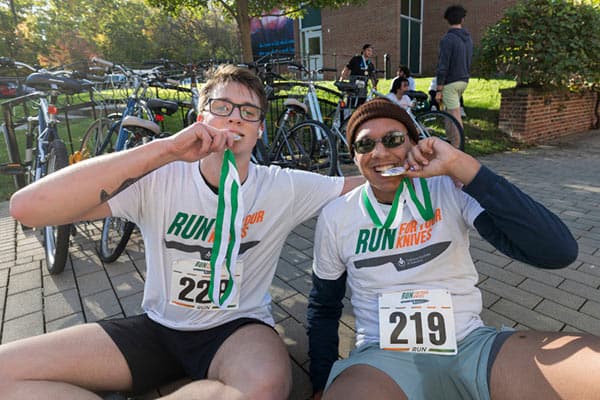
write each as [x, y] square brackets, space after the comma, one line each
[213, 225]
[398, 94]
[404, 72]
[400, 243]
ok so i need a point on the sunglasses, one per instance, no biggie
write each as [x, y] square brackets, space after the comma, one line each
[389, 141]
[224, 108]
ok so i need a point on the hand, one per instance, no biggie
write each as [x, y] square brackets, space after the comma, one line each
[432, 157]
[318, 395]
[199, 140]
[438, 96]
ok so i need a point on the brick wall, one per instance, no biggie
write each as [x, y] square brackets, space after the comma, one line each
[346, 29]
[531, 116]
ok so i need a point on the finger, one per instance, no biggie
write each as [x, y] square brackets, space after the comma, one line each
[419, 157]
[205, 142]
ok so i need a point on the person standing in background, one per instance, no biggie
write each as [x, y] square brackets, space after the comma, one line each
[454, 63]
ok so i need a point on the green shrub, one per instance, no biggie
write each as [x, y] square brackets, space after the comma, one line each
[544, 43]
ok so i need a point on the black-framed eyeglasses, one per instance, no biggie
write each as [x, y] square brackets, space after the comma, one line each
[389, 141]
[224, 108]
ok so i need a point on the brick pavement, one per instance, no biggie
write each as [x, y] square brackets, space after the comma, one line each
[565, 177]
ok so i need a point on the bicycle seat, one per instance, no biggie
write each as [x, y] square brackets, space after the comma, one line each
[417, 95]
[46, 81]
[293, 103]
[346, 87]
[135, 122]
[166, 107]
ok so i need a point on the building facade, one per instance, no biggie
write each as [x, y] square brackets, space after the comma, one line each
[401, 32]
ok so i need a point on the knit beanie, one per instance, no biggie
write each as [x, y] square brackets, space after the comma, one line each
[378, 108]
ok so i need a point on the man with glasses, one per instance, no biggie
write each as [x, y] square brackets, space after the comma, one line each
[213, 226]
[401, 243]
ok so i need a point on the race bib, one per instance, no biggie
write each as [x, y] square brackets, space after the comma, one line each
[417, 321]
[190, 281]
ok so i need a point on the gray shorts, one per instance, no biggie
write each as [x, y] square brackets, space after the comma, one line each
[427, 376]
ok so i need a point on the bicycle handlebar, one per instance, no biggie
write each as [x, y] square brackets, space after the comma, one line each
[10, 63]
[98, 60]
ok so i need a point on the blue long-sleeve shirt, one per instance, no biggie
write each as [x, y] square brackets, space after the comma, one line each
[512, 222]
[456, 52]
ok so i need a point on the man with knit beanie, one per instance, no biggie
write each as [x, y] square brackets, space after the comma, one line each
[401, 243]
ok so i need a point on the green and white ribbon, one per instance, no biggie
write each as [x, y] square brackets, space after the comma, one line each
[418, 204]
[228, 232]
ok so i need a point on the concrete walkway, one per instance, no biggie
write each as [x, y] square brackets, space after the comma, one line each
[565, 177]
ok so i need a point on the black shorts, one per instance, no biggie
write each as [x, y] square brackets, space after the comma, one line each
[157, 355]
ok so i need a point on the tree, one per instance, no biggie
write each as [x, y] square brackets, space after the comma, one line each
[545, 43]
[242, 10]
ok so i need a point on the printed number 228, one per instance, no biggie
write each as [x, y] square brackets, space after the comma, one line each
[190, 284]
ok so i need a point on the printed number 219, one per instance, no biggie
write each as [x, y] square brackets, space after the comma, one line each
[435, 323]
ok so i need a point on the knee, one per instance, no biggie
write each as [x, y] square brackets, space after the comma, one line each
[271, 384]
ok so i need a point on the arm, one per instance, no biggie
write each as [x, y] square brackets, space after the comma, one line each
[442, 68]
[80, 191]
[513, 222]
[373, 75]
[323, 315]
[519, 226]
[443, 63]
[351, 182]
[345, 73]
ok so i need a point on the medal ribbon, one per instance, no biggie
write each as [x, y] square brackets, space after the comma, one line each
[422, 211]
[228, 232]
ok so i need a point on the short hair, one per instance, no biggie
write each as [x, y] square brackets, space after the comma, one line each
[366, 46]
[229, 73]
[405, 70]
[397, 84]
[455, 14]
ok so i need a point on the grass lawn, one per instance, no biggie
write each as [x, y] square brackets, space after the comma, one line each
[482, 102]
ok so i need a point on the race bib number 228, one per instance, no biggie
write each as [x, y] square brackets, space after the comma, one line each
[190, 281]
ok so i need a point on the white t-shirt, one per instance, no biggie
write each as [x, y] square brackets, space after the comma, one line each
[404, 102]
[176, 211]
[429, 255]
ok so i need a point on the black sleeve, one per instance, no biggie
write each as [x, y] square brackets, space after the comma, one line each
[352, 63]
[519, 226]
[323, 315]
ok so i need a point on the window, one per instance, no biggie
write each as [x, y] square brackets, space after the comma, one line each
[411, 22]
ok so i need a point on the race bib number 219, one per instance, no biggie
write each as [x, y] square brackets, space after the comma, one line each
[418, 321]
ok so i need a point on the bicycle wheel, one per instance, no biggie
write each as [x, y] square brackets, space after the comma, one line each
[309, 146]
[94, 137]
[115, 235]
[444, 126]
[56, 238]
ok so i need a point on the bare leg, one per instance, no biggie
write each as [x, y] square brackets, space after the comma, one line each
[363, 382]
[456, 114]
[66, 364]
[537, 365]
[253, 363]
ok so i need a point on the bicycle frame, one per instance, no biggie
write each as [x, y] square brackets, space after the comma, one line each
[46, 133]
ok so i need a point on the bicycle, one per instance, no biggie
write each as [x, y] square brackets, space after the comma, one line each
[134, 126]
[293, 141]
[45, 151]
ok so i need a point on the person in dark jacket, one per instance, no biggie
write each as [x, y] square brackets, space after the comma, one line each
[454, 63]
[400, 242]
